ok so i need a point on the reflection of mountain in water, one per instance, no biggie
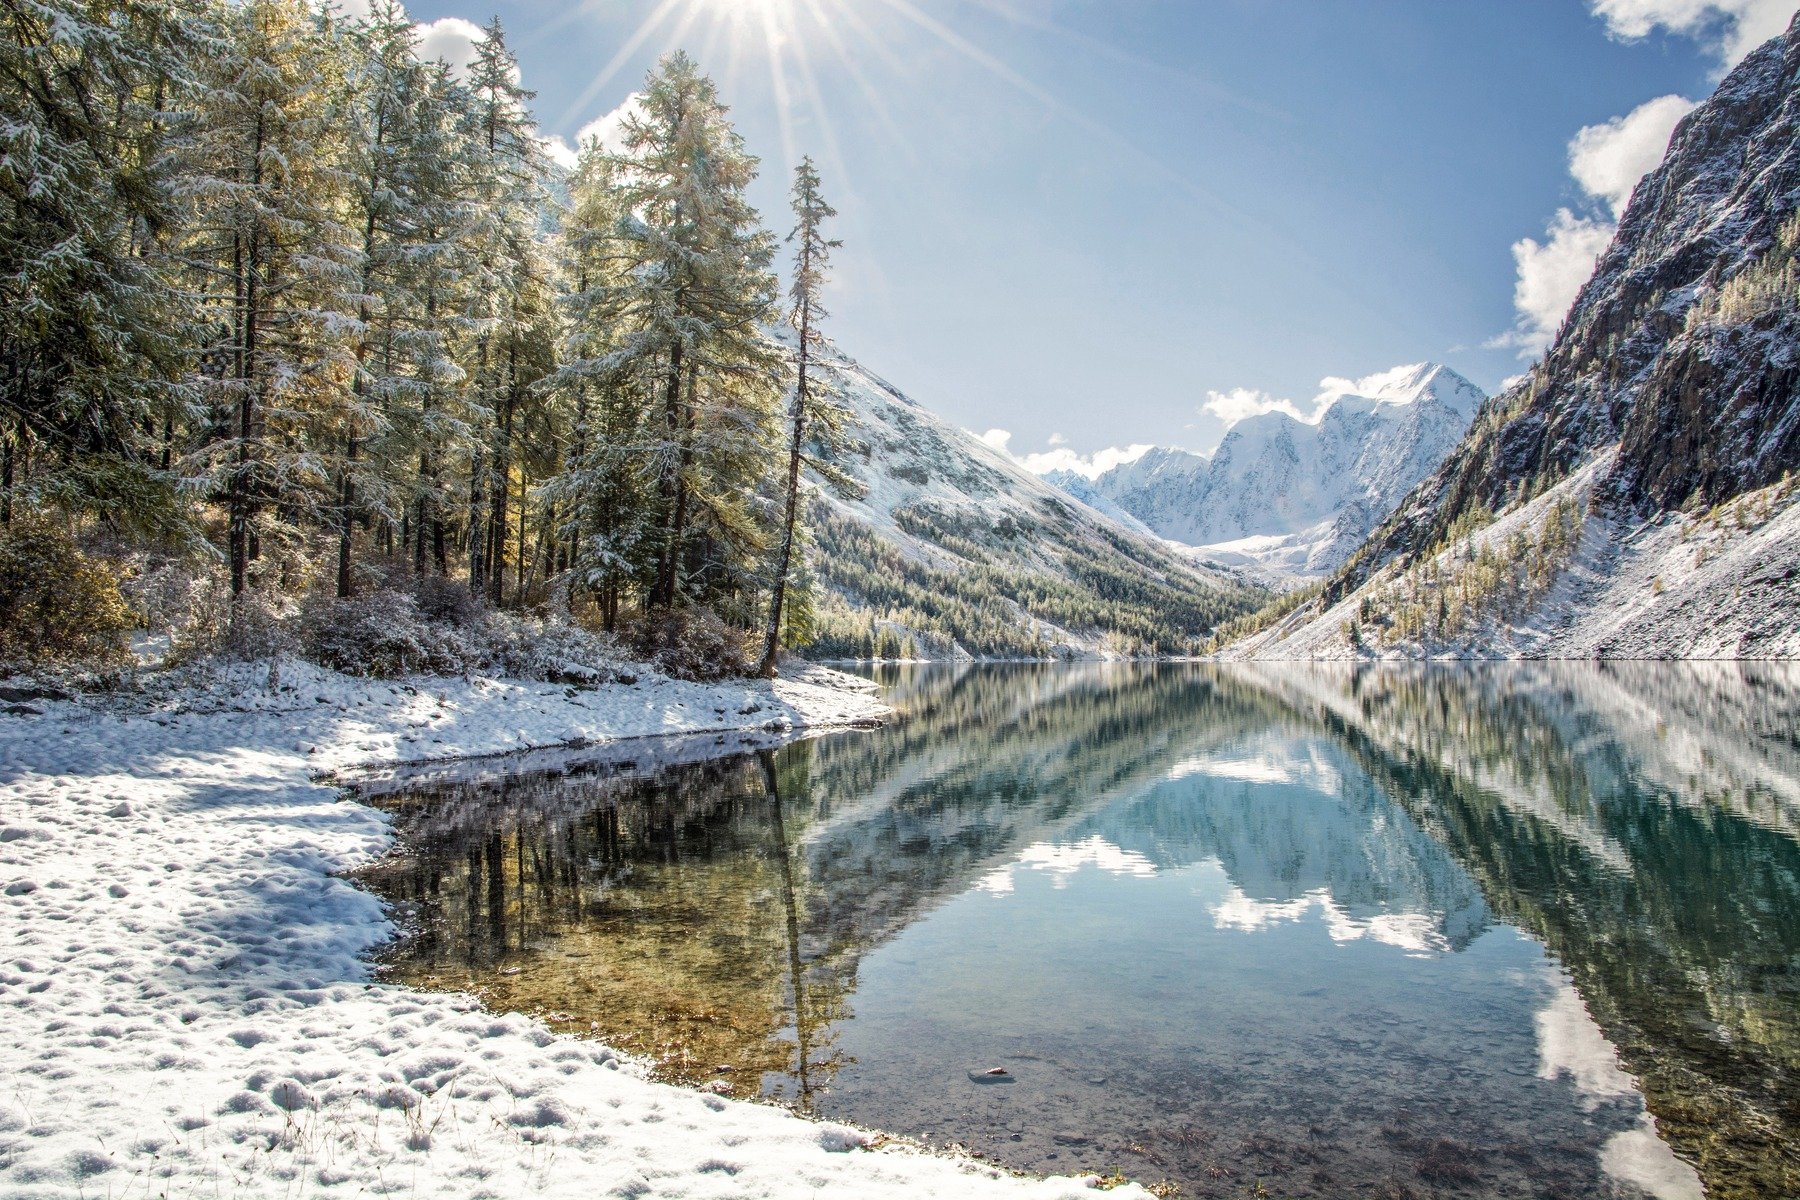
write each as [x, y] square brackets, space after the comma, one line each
[697, 902]
[1639, 820]
[1299, 827]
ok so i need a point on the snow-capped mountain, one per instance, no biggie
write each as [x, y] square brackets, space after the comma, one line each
[957, 549]
[1296, 495]
[1633, 495]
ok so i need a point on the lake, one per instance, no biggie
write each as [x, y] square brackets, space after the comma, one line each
[1523, 930]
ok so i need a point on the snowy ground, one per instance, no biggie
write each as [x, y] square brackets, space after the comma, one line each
[186, 1011]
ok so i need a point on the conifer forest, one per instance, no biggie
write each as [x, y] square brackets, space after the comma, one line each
[280, 293]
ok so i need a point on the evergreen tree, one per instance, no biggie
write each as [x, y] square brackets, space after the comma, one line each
[693, 294]
[91, 335]
[271, 261]
[385, 91]
[507, 288]
[604, 490]
[810, 405]
[431, 418]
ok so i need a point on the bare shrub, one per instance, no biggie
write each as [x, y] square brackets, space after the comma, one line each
[383, 633]
[256, 625]
[549, 649]
[688, 644]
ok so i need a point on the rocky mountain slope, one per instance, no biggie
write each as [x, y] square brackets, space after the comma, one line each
[1629, 498]
[1292, 495]
[956, 550]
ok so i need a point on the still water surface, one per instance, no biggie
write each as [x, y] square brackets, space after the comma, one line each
[1523, 930]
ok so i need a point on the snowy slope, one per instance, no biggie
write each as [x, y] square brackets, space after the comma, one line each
[1667, 412]
[961, 522]
[1295, 495]
[188, 1011]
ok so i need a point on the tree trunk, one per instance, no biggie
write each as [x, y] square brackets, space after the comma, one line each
[668, 485]
[346, 507]
[476, 536]
[6, 479]
[784, 561]
[519, 589]
[502, 474]
[238, 534]
[778, 594]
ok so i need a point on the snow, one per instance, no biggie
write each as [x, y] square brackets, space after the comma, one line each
[913, 462]
[1681, 586]
[187, 1006]
[1296, 497]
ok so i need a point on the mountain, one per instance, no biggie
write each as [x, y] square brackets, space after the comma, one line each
[1294, 495]
[956, 550]
[1632, 496]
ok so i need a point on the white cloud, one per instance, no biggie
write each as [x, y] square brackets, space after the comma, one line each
[1550, 275]
[1061, 458]
[451, 39]
[1241, 403]
[607, 130]
[1057, 439]
[1608, 159]
[559, 151]
[996, 439]
[1729, 28]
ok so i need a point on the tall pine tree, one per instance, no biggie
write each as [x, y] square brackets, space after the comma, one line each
[91, 337]
[272, 262]
[810, 406]
[693, 295]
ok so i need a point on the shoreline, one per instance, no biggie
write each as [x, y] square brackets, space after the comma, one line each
[183, 963]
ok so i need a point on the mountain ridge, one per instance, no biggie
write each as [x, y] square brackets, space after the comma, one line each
[955, 550]
[1294, 495]
[1633, 495]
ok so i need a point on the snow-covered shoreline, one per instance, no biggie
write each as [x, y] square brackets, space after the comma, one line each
[188, 1009]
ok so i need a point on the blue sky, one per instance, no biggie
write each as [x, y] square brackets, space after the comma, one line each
[1107, 223]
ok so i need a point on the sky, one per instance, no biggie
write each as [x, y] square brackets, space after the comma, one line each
[1083, 226]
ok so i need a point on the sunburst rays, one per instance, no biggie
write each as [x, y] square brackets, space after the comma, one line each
[874, 50]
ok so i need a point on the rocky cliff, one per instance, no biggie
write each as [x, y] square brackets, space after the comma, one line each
[1628, 497]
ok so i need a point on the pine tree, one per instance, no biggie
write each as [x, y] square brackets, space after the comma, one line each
[694, 293]
[603, 492]
[92, 337]
[812, 257]
[431, 419]
[385, 87]
[271, 261]
[507, 289]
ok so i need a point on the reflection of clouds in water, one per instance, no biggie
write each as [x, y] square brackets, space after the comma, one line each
[1062, 861]
[1416, 933]
[1640, 1158]
[1572, 1046]
[1292, 768]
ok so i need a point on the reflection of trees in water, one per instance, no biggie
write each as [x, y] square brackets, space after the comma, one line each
[1657, 866]
[644, 906]
[1638, 820]
[715, 914]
